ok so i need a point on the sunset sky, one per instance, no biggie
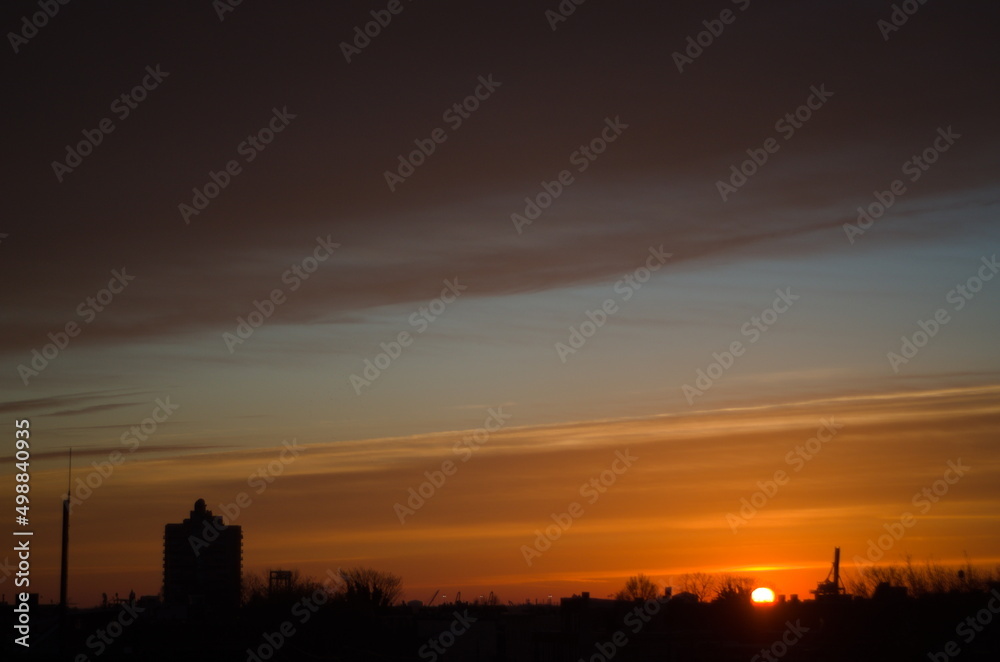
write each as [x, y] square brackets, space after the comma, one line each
[640, 232]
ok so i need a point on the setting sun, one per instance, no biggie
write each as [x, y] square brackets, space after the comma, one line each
[762, 596]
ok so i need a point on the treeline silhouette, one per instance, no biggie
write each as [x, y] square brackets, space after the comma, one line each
[359, 614]
[357, 587]
[929, 578]
[701, 586]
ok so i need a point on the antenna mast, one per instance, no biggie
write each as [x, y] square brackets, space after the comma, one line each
[64, 569]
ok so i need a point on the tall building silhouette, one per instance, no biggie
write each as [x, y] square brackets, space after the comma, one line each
[202, 561]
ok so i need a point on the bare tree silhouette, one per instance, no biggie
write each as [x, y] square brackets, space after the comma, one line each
[257, 589]
[734, 587]
[638, 588]
[700, 584]
[370, 587]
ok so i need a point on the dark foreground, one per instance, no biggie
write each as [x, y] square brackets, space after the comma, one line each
[963, 627]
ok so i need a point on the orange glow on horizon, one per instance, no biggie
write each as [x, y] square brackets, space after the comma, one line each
[666, 516]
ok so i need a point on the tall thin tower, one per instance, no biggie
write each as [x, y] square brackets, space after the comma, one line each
[64, 569]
